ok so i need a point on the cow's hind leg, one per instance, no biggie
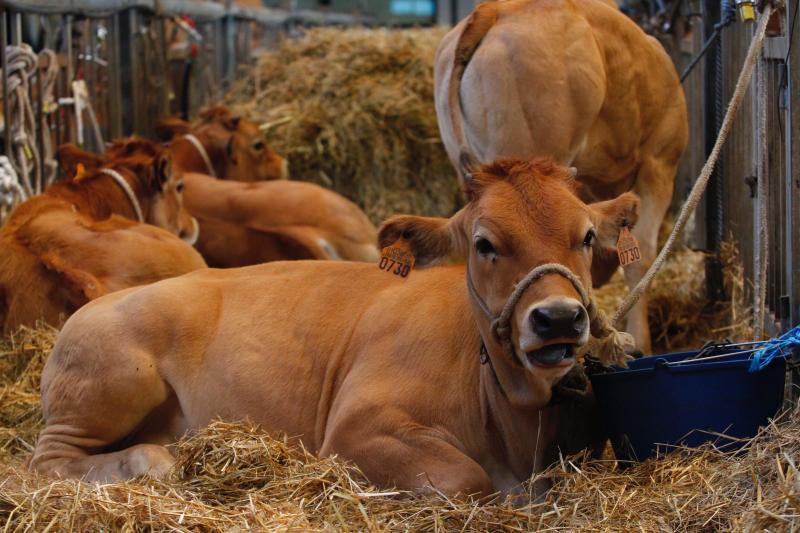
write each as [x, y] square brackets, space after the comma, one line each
[92, 404]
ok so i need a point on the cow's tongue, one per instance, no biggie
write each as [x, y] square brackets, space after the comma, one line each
[552, 354]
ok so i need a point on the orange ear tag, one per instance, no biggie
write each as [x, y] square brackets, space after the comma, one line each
[627, 247]
[80, 172]
[397, 259]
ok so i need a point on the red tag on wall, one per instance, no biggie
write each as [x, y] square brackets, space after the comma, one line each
[627, 247]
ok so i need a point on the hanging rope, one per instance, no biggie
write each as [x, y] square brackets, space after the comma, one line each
[702, 181]
[20, 121]
[11, 191]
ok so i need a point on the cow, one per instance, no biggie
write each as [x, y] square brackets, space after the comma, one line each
[576, 81]
[222, 145]
[382, 369]
[245, 224]
[86, 236]
[249, 223]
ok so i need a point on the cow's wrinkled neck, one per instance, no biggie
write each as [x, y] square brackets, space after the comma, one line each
[518, 437]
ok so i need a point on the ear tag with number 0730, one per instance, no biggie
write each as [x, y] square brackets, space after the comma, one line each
[627, 247]
[397, 259]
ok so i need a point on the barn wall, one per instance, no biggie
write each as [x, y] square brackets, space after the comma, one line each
[729, 207]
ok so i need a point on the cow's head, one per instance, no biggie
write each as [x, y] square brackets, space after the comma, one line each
[521, 215]
[157, 185]
[236, 146]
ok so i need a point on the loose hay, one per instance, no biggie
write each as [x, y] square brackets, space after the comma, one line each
[234, 477]
[352, 109]
[681, 317]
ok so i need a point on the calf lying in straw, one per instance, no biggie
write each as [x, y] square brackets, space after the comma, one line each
[382, 366]
[91, 235]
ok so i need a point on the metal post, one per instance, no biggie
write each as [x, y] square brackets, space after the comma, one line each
[4, 66]
[16, 29]
[115, 114]
[714, 109]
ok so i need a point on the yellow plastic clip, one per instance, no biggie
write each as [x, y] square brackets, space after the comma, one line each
[746, 9]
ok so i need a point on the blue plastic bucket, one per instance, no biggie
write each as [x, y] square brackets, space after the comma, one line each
[673, 400]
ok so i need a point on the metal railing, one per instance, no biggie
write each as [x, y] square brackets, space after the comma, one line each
[120, 65]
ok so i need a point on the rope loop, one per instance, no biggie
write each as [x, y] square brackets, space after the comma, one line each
[611, 346]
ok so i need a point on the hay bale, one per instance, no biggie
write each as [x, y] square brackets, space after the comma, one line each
[353, 110]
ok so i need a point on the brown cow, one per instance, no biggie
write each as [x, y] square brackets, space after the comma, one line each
[352, 360]
[80, 239]
[224, 146]
[249, 223]
[576, 81]
[245, 224]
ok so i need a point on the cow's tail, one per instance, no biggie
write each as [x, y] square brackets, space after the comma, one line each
[476, 28]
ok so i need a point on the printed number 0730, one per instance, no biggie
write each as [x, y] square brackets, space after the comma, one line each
[400, 269]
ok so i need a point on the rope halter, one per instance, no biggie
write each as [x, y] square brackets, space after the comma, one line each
[203, 153]
[610, 346]
[125, 186]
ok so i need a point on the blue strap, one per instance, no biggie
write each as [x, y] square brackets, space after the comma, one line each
[773, 348]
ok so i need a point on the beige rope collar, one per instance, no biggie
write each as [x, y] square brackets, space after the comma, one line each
[611, 347]
[203, 153]
[125, 186]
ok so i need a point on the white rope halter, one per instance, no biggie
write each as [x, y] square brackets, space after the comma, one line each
[127, 188]
[203, 153]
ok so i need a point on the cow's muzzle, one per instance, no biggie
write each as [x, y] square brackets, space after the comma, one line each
[563, 323]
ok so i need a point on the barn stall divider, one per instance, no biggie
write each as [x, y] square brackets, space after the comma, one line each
[88, 71]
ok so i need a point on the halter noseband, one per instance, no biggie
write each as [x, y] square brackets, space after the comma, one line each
[612, 345]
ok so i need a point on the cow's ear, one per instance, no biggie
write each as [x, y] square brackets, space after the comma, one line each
[233, 123]
[170, 127]
[70, 156]
[431, 240]
[611, 215]
[161, 171]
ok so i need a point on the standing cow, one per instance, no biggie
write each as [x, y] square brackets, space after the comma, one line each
[577, 81]
[381, 369]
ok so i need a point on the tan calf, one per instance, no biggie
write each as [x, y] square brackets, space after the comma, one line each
[81, 239]
[223, 145]
[382, 370]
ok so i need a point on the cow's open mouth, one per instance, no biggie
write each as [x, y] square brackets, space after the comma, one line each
[553, 355]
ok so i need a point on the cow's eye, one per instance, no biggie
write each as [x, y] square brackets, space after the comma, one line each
[258, 146]
[484, 247]
[590, 237]
[179, 186]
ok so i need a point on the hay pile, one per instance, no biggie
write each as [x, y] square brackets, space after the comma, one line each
[353, 110]
[681, 317]
[233, 477]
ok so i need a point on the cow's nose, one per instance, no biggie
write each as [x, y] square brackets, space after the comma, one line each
[559, 319]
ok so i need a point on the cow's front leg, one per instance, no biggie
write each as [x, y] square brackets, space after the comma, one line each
[411, 457]
[654, 184]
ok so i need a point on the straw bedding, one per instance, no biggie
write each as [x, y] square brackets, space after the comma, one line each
[234, 477]
[353, 110]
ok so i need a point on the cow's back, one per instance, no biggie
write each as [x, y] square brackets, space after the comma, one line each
[316, 341]
[576, 81]
[55, 259]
